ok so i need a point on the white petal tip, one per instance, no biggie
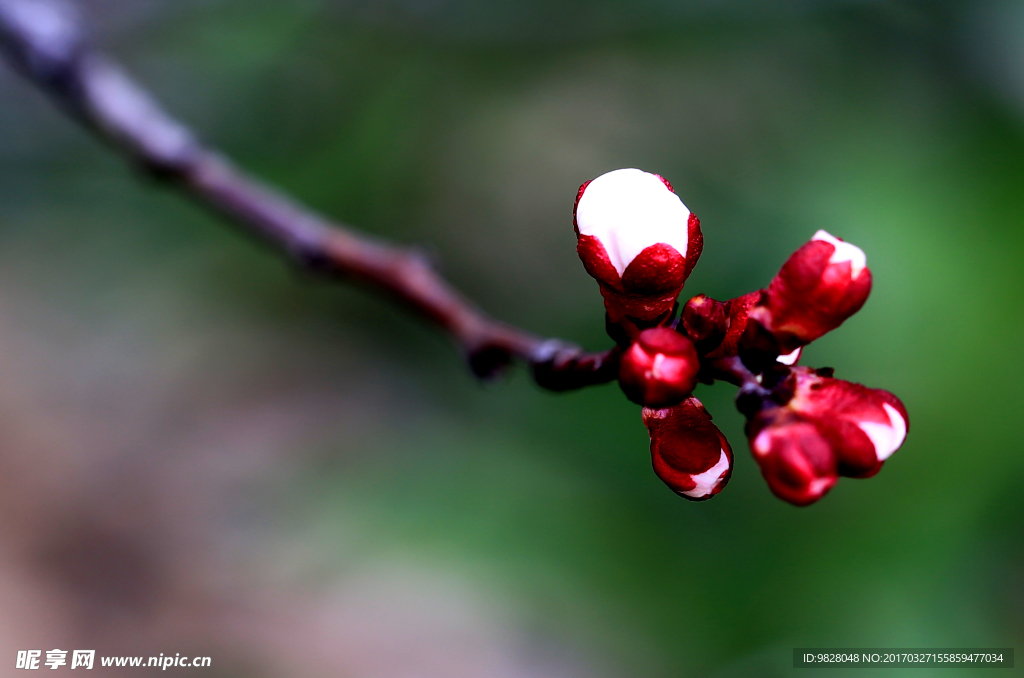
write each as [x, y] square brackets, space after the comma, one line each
[708, 480]
[886, 438]
[819, 486]
[844, 252]
[790, 358]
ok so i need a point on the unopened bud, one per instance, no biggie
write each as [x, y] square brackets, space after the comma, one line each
[659, 369]
[795, 458]
[689, 453]
[865, 425]
[638, 240]
[705, 321]
[737, 311]
[821, 285]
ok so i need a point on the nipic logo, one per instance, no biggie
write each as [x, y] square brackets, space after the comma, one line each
[30, 659]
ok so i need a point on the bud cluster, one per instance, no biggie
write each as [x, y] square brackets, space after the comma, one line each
[806, 428]
[828, 428]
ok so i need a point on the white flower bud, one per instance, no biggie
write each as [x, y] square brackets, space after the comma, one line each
[628, 210]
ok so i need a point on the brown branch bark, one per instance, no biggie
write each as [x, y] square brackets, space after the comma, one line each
[45, 40]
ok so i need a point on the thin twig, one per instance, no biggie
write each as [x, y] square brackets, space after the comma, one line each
[768, 388]
[732, 370]
[45, 40]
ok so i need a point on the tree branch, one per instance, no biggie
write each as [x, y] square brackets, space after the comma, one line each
[45, 41]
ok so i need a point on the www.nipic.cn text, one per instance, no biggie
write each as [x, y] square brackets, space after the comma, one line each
[86, 659]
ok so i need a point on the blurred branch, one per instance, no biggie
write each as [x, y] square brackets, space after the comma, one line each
[46, 41]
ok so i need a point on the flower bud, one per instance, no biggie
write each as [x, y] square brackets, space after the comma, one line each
[705, 321]
[659, 369]
[829, 428]
[737, 310]
[724, 330]
[822, 284]
[689, 453]
[795, 458]
[864, 425]
[638, 240]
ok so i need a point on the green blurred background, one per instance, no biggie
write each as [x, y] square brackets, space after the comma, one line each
[204, 451]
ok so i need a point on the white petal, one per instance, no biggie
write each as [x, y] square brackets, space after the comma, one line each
[819, 485]
[762, 443]
[629, 210]
[886, 438]
[789, 358]
[844, 252]
[706, 481]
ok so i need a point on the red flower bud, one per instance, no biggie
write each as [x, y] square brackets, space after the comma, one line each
[719, 328]
[705, 321]
[822, 284]
[829, 428]
[689, 453]
[864, 425]
[737, 310]
[795, 458]
[638, 240]
[659, 369]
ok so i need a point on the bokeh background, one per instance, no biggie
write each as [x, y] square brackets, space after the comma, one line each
[205, 452]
